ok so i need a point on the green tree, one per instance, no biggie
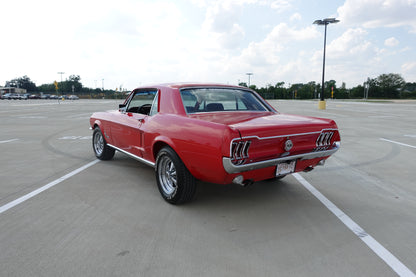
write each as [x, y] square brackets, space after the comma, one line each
[390, 85]
[357, 92]
[47, 88]
[307, 91]
[22, 82]
[72, 84]
[280, 92]
[409, 90]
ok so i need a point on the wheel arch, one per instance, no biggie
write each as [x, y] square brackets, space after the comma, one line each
[159, 144]
[97, 123]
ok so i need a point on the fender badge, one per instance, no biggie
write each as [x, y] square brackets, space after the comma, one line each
[288, 145]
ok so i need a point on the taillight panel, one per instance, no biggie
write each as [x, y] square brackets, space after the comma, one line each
[239, 151]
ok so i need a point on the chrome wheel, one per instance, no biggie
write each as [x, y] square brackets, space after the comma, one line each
[100, 147]
[176, 184]
[167, 175]
[98, 143]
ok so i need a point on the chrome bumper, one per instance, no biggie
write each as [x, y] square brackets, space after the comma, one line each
[232, 168]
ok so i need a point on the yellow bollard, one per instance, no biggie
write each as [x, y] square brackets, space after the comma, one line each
[322, 105]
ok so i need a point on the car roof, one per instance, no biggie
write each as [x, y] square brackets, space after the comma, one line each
[180, 85]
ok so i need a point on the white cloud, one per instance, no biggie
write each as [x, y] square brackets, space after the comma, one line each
[281, 5]
[268, 58]
[351, 57]
[351, 44]
[221, 23]
[391, 42]
[296, 17]
[409, 70]
[379, 13]
[130, 42]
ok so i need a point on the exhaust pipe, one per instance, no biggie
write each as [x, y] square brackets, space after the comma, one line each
[239, 180]
[247, 183]
[309, 168]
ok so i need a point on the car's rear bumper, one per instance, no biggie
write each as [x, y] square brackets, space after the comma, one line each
[232, 168]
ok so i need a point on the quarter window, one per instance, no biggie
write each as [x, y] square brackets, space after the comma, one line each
[155, 105]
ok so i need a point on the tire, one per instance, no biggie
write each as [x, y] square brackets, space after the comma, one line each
[99, 145]
[176, 184]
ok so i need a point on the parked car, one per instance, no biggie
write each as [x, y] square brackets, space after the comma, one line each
[73, 97]
[34, 96]
[22, 96]
[7, 96]
[215, 133]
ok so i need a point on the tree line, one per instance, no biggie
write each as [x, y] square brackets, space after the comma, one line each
[386, 86]
[72, 85]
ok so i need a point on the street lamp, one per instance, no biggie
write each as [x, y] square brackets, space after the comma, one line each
[325, 22]
[249, 74]
[62, 73]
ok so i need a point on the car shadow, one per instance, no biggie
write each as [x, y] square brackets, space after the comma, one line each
[207, 194]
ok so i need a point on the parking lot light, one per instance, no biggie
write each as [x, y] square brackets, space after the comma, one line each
[326, 21]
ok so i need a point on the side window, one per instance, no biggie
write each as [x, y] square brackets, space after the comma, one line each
[141, 102]
[155, 105]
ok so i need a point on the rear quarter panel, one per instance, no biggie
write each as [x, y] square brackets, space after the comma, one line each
[200, 144]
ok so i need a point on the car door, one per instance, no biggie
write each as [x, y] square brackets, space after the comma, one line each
[127, 133]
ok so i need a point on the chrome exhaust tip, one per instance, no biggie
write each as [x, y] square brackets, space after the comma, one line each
[309, 168]
[239, 180]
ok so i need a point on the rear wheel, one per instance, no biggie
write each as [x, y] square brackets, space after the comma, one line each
[101, 149]
[176, 184]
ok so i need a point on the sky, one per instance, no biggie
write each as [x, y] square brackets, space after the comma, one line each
[129, 43]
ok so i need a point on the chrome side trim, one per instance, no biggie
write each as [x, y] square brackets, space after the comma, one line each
[149, 163]
[232, 168]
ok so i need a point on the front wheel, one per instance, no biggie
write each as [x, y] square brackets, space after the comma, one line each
[176, 184]
[101, 149]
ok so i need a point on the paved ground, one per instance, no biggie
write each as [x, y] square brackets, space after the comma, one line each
[109, 219]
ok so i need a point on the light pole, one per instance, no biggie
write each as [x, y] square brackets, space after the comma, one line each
[326, 21]
[62, 73]
[249, 74]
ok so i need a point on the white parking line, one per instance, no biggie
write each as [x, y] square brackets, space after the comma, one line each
[45, 187]
[6, 141]
[399, 143]
[376, 247]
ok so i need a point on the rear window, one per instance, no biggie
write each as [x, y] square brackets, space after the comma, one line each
[197, 100]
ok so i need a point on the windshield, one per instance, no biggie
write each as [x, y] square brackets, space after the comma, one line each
[198, 100]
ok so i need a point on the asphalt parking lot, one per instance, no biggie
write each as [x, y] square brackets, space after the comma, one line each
[64, 213]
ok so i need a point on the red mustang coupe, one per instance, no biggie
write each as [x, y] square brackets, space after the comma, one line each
[214, 133]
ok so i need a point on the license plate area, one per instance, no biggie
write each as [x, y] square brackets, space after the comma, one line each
[285, 168]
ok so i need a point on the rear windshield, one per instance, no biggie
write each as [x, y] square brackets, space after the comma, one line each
[197, 100]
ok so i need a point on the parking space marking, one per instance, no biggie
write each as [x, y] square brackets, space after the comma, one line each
[399, 143]
[45, 187]
[75, 138]
[6, 141]
[374, 245]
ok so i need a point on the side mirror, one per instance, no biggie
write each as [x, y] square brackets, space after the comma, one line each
[122, 108]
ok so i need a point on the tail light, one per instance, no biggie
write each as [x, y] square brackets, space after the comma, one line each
[239, 151]
[324, 139]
